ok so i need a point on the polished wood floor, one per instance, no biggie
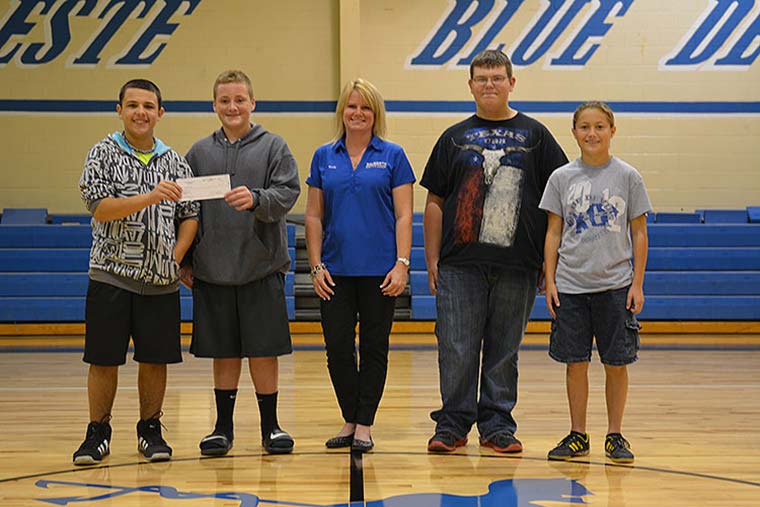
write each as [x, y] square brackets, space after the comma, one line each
[693, 419]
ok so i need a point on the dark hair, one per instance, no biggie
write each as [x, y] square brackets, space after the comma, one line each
[491, 58]
[142, 84]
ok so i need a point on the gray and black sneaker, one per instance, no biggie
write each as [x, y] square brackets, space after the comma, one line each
[96, 445]
[572, 446]
[617, 448]
[150, 443]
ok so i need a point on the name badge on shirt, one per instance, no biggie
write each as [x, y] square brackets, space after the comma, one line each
[331, 166]
[376, 165]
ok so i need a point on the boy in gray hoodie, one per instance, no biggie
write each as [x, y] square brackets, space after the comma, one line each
[239, 262]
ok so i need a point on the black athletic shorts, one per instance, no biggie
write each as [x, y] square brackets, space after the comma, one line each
[248, 320]
[112, 315]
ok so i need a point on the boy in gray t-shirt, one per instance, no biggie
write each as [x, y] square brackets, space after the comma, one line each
[592, 288]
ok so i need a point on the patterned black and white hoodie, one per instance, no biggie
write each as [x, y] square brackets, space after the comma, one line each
[135, 252]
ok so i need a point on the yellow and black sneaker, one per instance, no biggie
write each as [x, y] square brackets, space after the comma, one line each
[572, 446]
[617, 448]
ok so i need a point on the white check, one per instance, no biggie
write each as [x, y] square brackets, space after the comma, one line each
[204, 187]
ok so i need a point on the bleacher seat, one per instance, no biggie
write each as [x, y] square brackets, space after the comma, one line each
[679, 218]
[695, 270]
[43, 271]
[24, 216]
[726, 216]
[70, 218]
[753, 213]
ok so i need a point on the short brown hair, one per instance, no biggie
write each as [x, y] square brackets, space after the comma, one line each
[595, 104]
[233, 76]
[491, 58]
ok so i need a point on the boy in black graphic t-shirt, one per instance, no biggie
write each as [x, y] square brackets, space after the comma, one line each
[484, 237]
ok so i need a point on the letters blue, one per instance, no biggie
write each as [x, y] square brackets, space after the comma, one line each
[594, 27]
[453, 24]
[17, 25]
[686, 55]
[91, 55]
[734, 57]
[60, 33]
[505, 15]
[159, 26]
[519, 56]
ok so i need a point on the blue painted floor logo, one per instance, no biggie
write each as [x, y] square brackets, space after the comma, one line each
[505, 493]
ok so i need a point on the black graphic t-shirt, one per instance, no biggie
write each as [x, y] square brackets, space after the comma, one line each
[491, 175]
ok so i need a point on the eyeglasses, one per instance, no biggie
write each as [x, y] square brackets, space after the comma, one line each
[499, 79]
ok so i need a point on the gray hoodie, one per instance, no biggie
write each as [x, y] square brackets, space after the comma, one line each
[238, 247]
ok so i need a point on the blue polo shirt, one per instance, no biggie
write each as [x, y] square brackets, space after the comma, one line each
[359, 222]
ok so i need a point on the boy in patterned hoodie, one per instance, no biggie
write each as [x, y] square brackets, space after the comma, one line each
[140, 233]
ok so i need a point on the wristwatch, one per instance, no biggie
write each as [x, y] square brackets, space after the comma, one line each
[404, 261]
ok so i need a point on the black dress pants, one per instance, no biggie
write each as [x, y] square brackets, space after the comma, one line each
[357, 387]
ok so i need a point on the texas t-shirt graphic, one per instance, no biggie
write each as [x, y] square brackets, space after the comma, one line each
[490, 197]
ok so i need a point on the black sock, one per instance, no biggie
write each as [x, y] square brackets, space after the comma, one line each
[225, 407]
[267, 412]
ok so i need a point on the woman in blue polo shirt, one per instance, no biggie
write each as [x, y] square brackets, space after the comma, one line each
[359, 238]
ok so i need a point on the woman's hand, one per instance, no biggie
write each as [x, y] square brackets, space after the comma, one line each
[323, 283]
[395, 281]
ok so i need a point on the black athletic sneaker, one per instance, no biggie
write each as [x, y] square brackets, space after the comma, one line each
[96, 445]
[574, 445]
[150, 443]
[503, 441]
[445, 441]
[617, 448]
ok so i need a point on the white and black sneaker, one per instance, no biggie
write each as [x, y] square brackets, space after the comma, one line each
[150, 443]
[96, 445]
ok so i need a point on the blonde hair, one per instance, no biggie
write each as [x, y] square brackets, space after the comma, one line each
[595, 104]
[371, 96]
[233, 76]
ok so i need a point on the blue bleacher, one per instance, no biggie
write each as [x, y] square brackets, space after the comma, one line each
[726, 216]
[753, 214]
[43, 271]
[701, 266]
[678, 218]
[24, 216]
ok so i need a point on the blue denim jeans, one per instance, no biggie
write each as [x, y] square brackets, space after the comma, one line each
[480, 309]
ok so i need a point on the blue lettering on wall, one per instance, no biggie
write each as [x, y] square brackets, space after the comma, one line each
[16, 43]
[737, 57]
[60, 32]
[158, 28]
[17, 25]
[468, 27]
[697, 49]
[441, 48]
[566, 11]
[592, 31]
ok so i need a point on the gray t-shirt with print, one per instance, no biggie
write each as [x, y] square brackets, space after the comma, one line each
[596, 204]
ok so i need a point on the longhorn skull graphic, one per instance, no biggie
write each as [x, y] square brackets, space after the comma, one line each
[491, 158]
